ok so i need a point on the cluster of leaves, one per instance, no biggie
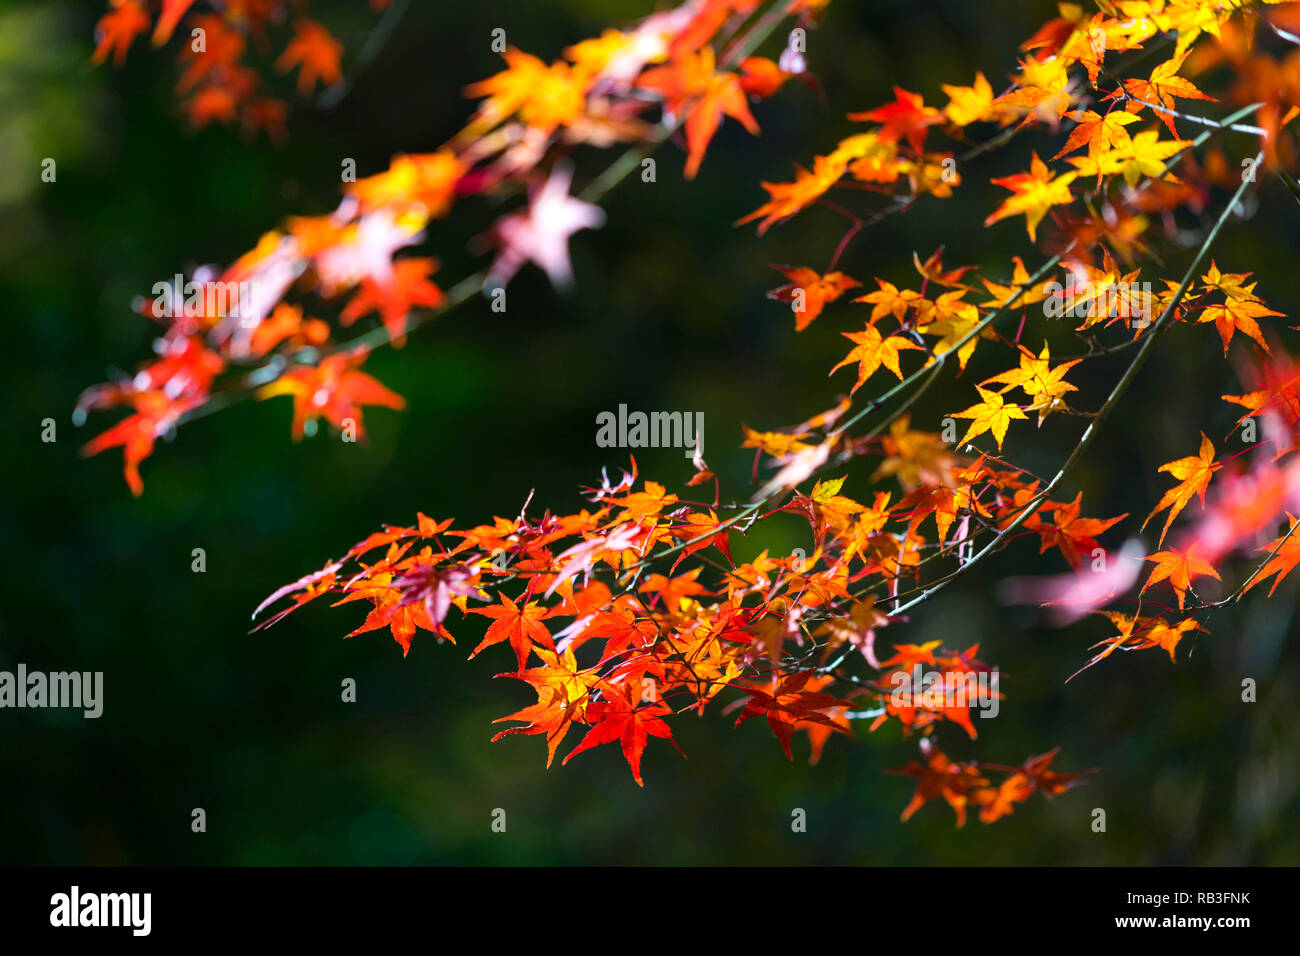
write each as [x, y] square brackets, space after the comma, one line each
[963, 784]
[622, 662]
[609, 629]
[252, 328]
[216, 80]
[1124, 178]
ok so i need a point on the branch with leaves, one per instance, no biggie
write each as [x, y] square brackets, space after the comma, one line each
[639, 607]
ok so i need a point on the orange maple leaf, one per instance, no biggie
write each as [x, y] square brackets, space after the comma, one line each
[1139, 634]
[1193, 476]
[155, 414]
[334, 389]
[694, 87]
[521, 626]
[1237, 314]
[393, 299]
[1098, 132]
[808, 292]
[1283, 562]
[1179, 567]
[562, 690]
[117, 30]
[1073, 534]
[941, 777]
[872, 350]
[390, 610]
[316, 54]
[1160, 89]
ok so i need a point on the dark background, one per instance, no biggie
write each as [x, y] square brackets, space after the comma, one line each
[668, 313]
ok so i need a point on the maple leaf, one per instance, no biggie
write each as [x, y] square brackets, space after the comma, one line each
[760, 77]
[788, 705]
[156, 414]
[937, 500]
[393, 299]
[521, 626]
[1283, 562]
[1179, 567]
[651, 500]
[777, 444]
[832, 508]
[390, 611]
[992, 414]
[692, 85]
[969, 104]
[1033, 193]
[1042, 91]
[1020, 292]
[808, 292]
[1161, 88]
[541, 234]
[1139, 634]
[1143, 155]
[172, 11]
[1045, 386]
[1090, 43]
[1236, 314]
[940, 777]
[1000, 801]
[286, 323]
[117, 30]
[563, 690]
[544, 96]
[307, 588]
[438, 588]
[916, 457]
[871, 350]
[1098, 132]
[621, 718]
[953, 321]
[1193, 477]
[932, 269]
[1049, 782]
[786, 199]
[334, 389]
[1104, 294]
[888, 299]
[872, 159]
[1035, 776]
[1232, 284]
[907, 117]
[316, 54]
[858, 630]
[428, 179]
[819, 733]
[697, 530]
[1072, 534]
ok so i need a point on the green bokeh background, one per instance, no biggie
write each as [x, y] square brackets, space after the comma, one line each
[668, 313]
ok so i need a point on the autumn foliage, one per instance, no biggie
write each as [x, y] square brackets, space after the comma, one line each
[642, 605]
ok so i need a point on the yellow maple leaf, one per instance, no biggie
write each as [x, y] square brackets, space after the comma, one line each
[992, 414]
[1033, 193]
